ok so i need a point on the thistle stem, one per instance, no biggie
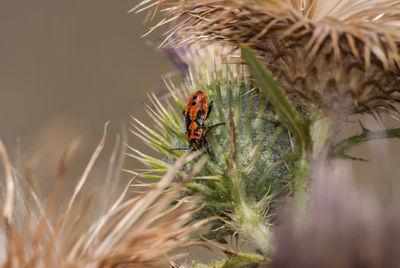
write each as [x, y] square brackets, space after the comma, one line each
[321, 132]
[300, 182]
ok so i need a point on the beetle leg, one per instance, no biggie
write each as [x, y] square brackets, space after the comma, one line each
[209, 109]
[213, 126]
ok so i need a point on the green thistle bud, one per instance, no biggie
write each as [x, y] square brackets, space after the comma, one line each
[246, 171]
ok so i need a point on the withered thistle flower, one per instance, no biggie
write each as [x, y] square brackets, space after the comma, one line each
[113, 230]
[330, 55]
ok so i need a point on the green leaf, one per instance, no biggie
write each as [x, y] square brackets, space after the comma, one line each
[367, 135]
[297, 124]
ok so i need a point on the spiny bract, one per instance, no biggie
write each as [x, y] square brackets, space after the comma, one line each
[247, 173]
[106, 229]
[331, 55]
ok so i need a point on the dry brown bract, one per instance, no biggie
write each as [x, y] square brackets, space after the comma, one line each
[330, 54]
[125, 232]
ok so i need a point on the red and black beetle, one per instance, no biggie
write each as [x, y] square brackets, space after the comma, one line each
[196, 112]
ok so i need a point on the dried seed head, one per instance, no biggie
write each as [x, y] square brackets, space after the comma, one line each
[336, 55]
[111, 230]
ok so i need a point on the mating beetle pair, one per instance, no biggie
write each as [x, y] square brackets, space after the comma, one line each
[196, 112]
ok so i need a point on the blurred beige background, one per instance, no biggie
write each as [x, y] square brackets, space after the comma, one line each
[67, 67]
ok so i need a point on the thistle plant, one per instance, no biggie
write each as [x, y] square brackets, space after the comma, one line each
[331, 59]
[246, 173]
[302, 68]
[282, 76]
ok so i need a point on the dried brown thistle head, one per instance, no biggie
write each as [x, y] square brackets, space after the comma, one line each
[111, 230]
[335, 55]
